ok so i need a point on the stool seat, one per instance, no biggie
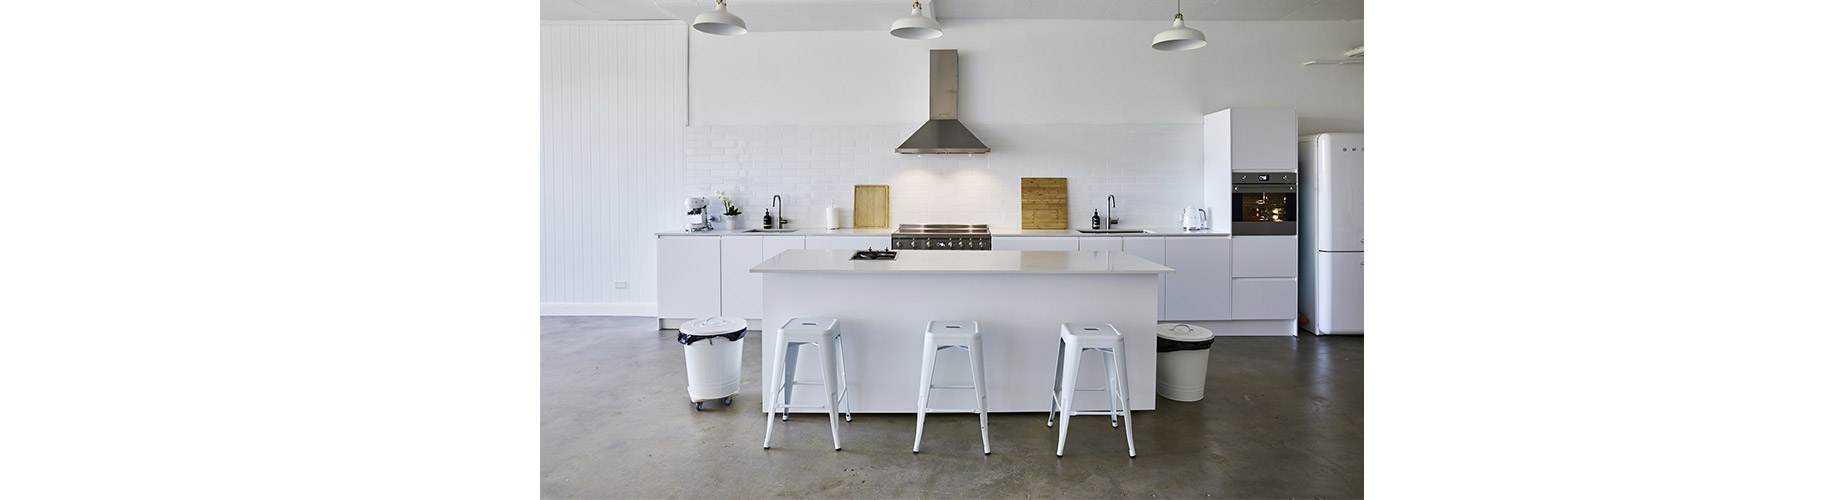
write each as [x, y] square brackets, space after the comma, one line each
[1106, 341]
[793, 335]
[940, 336]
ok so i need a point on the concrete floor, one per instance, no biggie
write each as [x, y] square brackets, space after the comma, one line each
[1281, 419]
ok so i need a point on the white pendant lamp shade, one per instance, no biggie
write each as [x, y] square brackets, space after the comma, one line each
[719, 22]
[1179, 37]
[916, 26]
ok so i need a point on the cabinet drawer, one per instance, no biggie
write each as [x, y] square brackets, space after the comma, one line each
[1264, 256]
[1109, 244]
[1264, 298]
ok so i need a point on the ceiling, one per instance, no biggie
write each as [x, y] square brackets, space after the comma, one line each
[810, 15]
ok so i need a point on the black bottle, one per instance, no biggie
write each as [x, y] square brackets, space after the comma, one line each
[768, 220]
[1095, 219]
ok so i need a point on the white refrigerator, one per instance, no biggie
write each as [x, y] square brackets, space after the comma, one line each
[1331, 212]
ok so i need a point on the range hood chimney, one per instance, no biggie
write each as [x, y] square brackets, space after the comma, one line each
[943, 133]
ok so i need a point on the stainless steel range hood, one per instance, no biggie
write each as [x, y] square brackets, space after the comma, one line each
[943, 133]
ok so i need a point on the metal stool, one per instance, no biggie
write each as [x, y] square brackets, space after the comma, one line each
[1104, 339]
[797, 333]
[944, 335]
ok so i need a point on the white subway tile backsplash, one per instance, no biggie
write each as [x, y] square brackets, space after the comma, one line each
[1153, 169]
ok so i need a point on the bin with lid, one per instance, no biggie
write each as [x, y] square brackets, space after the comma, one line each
[1181, 361]
[714, 358]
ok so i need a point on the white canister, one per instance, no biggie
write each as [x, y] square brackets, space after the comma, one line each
[832, 217]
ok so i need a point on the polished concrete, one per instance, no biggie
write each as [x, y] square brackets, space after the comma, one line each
[1282, 419]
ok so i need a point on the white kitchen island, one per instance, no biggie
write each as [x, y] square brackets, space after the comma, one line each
[1019, 298]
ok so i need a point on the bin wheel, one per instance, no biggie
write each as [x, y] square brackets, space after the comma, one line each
[727, 400]
[698, 406]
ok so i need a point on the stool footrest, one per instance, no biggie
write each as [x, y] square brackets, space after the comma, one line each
[952, 410]
[951, 387]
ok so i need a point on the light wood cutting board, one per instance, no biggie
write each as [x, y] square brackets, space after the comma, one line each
[1045, 203]
[870, 206]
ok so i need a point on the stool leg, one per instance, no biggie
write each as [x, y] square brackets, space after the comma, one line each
[775, 387]
[978, 385]
[1055, 397]
[792, 360]
[838, 345]
[1070, 376]
[1124, 395]
[829, 366]
[927, 386]
[1111, 385]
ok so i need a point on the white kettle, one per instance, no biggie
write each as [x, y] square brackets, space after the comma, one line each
[1194, 218]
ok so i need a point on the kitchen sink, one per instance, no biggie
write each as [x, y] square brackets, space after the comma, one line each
[1112, 231]
[770, 230]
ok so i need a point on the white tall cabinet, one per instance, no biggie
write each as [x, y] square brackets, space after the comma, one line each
[1243, 140]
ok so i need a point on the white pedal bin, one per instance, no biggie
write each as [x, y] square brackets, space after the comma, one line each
[1181, 361]
[714, 357]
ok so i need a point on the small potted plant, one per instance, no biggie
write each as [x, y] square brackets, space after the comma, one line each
[733, 216]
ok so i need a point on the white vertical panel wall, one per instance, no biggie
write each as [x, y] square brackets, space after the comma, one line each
[613, 117]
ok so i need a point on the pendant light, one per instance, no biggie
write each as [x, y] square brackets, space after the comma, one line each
[719, 22]
[916, 26]
[1179, 37]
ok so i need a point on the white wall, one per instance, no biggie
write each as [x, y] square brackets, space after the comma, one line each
[1030, 72]
[612, 117]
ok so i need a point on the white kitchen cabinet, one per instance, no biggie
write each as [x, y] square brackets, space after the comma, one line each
[1250, 140]
[775, 244]
[1264, 298]
[1201, 288]
[1151, 249]
[742, 291]
[690, 281]
[847, 242]
[1067, 243]
[1102, 243]
[1264, 256]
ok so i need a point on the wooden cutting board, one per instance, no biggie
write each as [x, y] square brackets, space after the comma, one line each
[1045, 203]
[870, 206]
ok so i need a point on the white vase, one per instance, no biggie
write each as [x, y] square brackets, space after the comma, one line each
[733, 222]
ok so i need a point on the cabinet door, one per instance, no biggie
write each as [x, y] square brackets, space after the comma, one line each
[1264, 256]
[1151, 249]
[1105, 243]
[775, 244]
[1263, 140]
[1264, 298]
[742, 290]
[1069, 243]
[847, 242]
[1201, 288]
[688, 277]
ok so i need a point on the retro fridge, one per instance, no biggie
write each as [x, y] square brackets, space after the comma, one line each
[1331, 242]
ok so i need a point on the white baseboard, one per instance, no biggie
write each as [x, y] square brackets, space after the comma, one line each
[1247, 328]
[597, 309]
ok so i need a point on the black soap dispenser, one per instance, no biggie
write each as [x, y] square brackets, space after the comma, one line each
[1095, 218]
[768, 220]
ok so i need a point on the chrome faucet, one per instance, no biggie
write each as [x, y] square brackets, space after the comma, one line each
[1111, 211]
[781, 219]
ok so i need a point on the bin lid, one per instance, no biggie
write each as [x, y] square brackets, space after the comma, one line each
[1183, 332]
[715, 325]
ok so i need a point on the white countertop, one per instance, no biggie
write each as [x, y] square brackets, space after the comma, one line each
[962, 262]
[1153, 231]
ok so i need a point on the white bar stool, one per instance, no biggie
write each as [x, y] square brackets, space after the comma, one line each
[793, 335]
[944, 335]
[1104, 339]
